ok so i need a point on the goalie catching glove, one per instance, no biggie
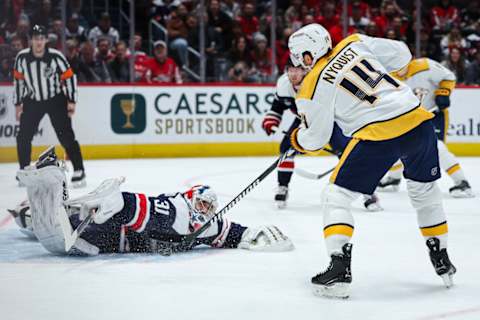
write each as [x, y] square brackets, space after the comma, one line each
[265, 238]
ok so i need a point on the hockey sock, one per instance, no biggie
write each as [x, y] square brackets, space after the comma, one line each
[396, 170]
[285, 171]
[449, 163]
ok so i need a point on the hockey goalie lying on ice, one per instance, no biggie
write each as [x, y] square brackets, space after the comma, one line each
[125, 221]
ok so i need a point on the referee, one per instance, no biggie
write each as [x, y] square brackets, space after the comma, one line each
[45, 84]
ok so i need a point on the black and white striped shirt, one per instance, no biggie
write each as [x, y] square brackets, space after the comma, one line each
[41, 79]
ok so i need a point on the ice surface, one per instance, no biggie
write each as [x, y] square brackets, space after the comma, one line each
[393, 278]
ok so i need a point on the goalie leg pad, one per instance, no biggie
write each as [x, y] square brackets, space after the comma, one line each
[46, 189]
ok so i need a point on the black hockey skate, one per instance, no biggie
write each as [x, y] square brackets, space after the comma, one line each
[281, 197]
[79, 179]
[335, 281]
[439, 258]
[389, 184]
[47, 158]
[372, 203]
[462, 190]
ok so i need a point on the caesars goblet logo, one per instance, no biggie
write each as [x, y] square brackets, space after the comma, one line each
[128, 108]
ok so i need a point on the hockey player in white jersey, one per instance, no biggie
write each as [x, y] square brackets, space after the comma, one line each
[350, 85]
[433, 84]
[126, 222]
[286, 90]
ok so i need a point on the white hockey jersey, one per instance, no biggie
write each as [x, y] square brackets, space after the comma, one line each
[352, 87]
[428, 78]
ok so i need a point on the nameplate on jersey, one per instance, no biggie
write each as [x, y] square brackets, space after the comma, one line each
[336, 65]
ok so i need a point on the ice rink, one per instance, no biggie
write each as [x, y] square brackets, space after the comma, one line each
[392, 276]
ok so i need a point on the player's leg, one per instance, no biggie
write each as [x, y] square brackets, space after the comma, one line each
[285, 169]
[422, 169]
[62, 124]
[29, 121]
[46, 189]
[361, 167]
[338, 142]
[450, 164]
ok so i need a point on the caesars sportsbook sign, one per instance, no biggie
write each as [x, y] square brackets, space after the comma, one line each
[116, 115]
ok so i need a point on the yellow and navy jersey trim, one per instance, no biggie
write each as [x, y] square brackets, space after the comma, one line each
[445, 87]
[435, 230]
[348, 149]
[453, 169]
[415, 66]
[309, 84]
[343, 229]
[394, 127]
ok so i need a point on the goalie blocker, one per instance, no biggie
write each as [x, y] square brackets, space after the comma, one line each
[128, 222]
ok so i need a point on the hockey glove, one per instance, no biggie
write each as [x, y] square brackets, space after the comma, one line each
[265, 238]
[271, 121]
[442, 98]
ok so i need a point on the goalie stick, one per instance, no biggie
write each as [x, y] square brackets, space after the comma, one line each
[183, 243]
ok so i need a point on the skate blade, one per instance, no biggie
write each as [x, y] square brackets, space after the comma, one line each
[374, 208]
[462, 194]
[335, 291]
[281, 204]
[79, 184]
[447, 280]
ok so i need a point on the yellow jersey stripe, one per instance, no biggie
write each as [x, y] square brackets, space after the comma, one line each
[393, 128]
[415, 66]
[348, 149]
[453, 169]
[309, 84]
[396, 167]
[436, 230]
[338, 229]
[447, 84]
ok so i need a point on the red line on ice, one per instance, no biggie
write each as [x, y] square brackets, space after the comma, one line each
[5, 221]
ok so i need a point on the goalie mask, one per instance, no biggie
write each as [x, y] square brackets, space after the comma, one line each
[203, 199]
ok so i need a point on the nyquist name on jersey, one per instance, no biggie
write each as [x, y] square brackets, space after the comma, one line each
[338, 63]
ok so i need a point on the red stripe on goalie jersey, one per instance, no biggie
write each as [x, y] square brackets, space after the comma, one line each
[142, 213]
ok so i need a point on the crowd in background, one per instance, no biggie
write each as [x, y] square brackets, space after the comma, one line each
[237, 39]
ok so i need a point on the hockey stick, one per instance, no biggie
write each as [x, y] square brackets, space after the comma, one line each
[188, 240]
[311, 175]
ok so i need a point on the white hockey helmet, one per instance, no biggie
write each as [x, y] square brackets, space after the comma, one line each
[203, 199]
[312, 40]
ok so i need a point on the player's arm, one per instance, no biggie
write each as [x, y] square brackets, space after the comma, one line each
[446, 82]
[233, 235]
[316, 127]
[68, 76]
[392, 54]
[273, 117]
[19, 87]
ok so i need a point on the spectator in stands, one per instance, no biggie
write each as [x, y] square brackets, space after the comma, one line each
[231, 8]
[248, 21]
[57, 30]
[22, 30]
[89, 70]
[453, 39]
[119, 67]
[74, 30]
[220, 22]
[357, 20]
[293, 15]
[104, 29]
[470, 15]
[262, 59]
[162, 9]
[103, 56]
[240, 72]
[472, 73]
[391, 34]
[283, 54]
[72, 54]
[74, 7]
[444, 16]
[388, 13]
[43, 13]
[17, 44]
[473, 39]
[161, 68]
[239, 52]
[456, 63]
[140, 59]
[6, 64]
[329, 17]
[178, 33]
[372, 30]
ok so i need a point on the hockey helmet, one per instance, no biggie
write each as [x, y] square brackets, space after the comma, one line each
[308, 44]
